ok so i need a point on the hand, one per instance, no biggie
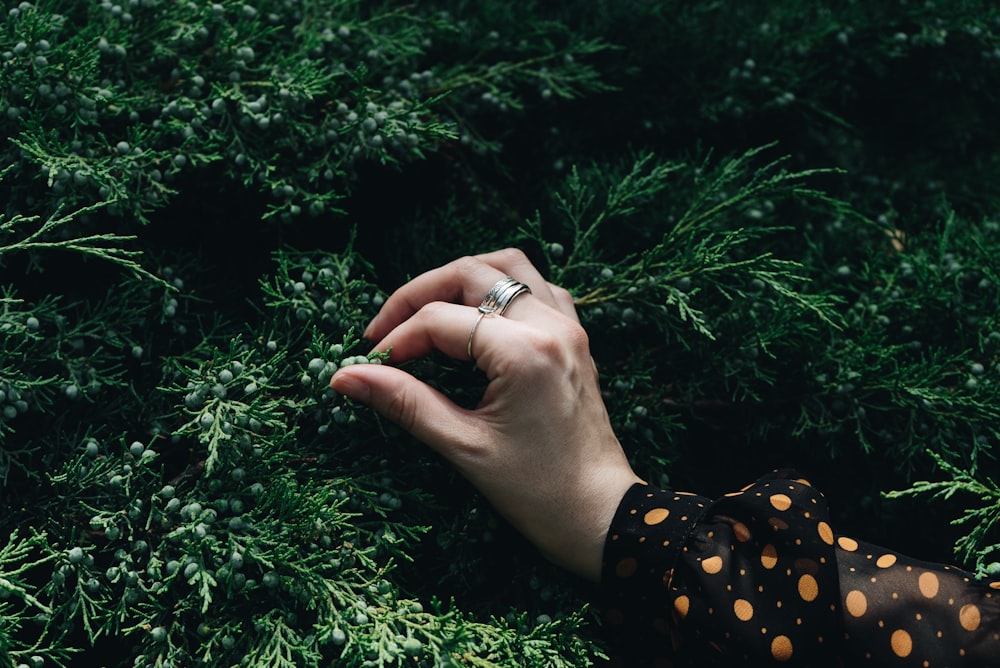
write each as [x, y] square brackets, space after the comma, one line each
[539, 445]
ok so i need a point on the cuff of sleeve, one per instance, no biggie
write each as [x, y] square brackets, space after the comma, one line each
[647, 534]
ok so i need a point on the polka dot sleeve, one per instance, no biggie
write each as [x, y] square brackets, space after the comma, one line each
[759, 577]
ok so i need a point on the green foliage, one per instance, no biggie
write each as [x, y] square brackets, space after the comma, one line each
[780, 257]
[256, 524]
[47, 236]
[981, 520]
[121, 103]
[701, 243]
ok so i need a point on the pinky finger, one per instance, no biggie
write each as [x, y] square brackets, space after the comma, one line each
[564, 301]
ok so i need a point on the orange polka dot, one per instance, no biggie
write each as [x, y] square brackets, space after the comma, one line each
[780, 501]
[655, 516]
[928, 583]
[848, 544]
[741, 531]
[808, 588]
[743, 609]
[901, 643]
[856, 603]
[995, 585]
[781, 648]
[969, 617]
[769, 556]
[682, 604]
[626, 567]
[825, 533]
[886, 560]
[803, 481]
[778, 524]
[712, 565]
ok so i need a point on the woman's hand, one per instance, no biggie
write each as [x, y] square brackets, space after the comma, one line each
[539, 445]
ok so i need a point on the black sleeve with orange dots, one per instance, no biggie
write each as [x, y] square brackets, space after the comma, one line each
[759, 577]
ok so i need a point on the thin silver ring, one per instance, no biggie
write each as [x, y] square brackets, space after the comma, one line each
[468, 346]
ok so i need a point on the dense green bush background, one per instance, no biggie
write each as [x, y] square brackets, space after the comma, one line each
[779, 221]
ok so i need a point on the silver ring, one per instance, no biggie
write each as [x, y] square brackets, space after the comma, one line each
[496, 302]
[468, 346]
[501, 295]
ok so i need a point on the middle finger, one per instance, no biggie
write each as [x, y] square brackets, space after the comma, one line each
[463, 281]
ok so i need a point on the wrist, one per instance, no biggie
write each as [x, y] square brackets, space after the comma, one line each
[581, 550]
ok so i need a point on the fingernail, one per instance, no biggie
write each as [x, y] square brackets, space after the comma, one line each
[351, 387]
[367, 334]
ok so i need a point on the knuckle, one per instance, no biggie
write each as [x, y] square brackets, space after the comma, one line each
[565, 348]
[466, 265]
[512, 256]
[546, 344]
[561, 294]
[431, 311]
[578, 340]
[559, 345]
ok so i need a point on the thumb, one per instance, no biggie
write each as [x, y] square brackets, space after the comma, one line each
[413, 405]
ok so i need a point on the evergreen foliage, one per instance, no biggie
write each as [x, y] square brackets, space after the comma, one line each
[779, 221]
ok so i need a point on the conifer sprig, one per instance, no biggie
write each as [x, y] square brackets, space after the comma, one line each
[51, 234]
[703, 249]
[980, 545]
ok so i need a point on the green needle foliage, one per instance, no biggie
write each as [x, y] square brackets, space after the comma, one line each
[779, 222]
[48, 236]
[979, 519]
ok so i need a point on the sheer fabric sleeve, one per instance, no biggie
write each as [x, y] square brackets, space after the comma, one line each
[759, 577]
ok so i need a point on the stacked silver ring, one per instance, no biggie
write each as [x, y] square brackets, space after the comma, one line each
[496, 302]
[501, 295]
